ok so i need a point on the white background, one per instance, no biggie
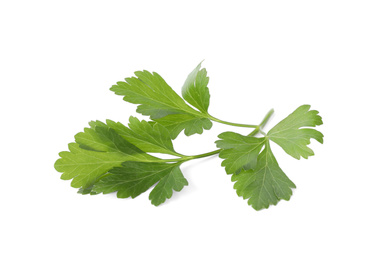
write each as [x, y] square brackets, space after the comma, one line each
[59, 58]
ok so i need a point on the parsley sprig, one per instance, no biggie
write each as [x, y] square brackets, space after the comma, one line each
[111, 157]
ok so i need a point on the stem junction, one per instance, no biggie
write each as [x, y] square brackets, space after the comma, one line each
[257, 130]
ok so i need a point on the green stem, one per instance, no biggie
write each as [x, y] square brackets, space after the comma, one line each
[254, 132]
[265, 120]
[262, 124]
[230, 123]
[191, 157]
[187, 158]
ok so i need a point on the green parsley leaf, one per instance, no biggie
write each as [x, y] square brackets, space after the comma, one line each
[294, 139]
[134, 178]
[97, 150]
[195, 90]
[239, 152]
[264, 185]
[190, 123]
[155, 98]
[149, 137]
[163, 190]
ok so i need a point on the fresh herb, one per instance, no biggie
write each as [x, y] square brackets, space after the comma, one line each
[111, 157]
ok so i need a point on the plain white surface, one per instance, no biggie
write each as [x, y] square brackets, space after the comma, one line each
[59, 58]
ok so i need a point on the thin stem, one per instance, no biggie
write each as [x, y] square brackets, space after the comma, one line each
[266, 118]
[191, 157]
[203, 155]
[263, 133]
[254, 132]
[230, 123]
[262, 124]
